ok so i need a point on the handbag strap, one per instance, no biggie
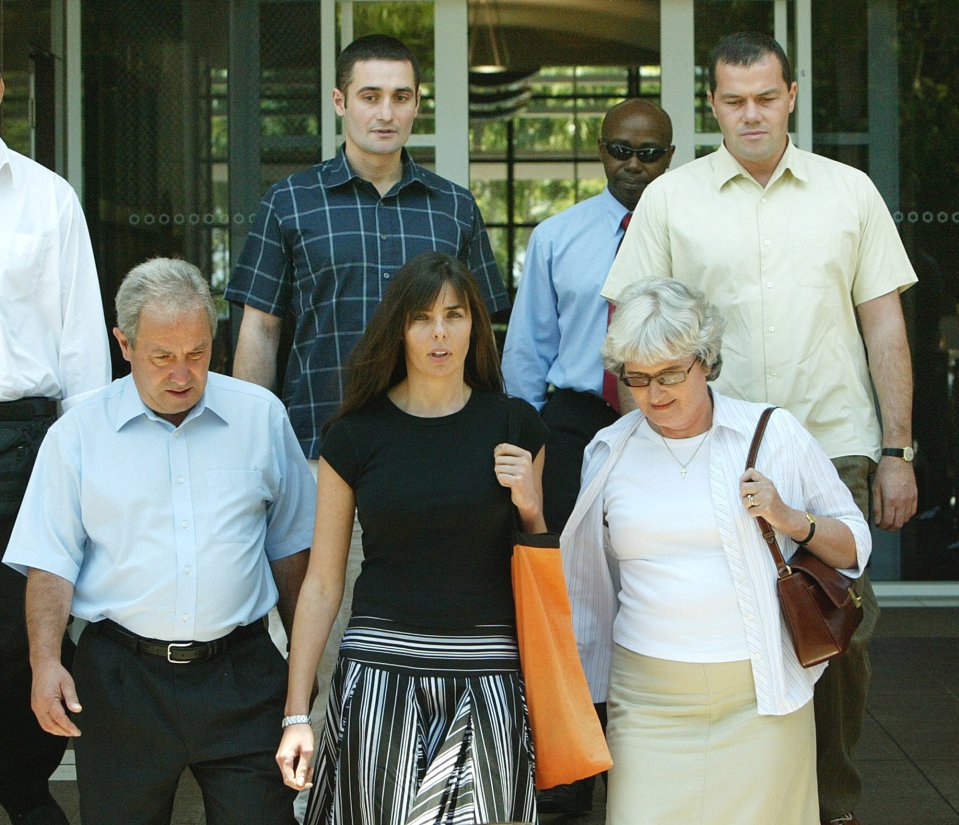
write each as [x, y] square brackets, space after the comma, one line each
[769, 535]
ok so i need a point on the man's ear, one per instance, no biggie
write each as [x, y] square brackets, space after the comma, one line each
[124, 343]
[339, 101]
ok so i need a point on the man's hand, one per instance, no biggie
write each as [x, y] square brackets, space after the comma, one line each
[53, 689]
[894, 495]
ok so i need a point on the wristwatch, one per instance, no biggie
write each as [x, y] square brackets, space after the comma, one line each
[905, 453]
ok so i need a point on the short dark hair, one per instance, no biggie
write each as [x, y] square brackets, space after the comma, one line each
[744, 49]
[373, 47]
[379, 360]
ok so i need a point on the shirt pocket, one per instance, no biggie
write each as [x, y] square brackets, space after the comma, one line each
[22, 261]
[236, 500]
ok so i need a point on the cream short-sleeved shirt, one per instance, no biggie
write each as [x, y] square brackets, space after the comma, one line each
[786, 265]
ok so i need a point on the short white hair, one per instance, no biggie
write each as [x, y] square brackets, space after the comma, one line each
[170, 285]
[662, 319]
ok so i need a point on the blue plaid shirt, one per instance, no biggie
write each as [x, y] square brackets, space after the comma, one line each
[324, 246]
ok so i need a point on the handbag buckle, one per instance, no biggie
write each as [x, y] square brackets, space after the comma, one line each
[856, 598]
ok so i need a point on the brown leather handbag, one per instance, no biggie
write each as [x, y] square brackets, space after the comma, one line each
[821, 608]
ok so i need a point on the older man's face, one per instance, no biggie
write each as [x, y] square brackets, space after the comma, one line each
[171, 359]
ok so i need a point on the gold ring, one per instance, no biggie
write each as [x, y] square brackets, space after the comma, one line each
[749, 498]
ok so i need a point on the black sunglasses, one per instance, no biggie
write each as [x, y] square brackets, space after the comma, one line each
[647, 154]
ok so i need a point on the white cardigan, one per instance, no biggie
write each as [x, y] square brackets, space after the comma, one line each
[805, 479]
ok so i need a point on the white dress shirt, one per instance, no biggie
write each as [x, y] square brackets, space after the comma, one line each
[805, 480]
[167, 530]
[53, 340]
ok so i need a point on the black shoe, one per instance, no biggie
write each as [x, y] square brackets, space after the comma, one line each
[576, 798]
[48, 813]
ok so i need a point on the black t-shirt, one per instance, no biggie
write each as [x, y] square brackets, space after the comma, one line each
[437, 526]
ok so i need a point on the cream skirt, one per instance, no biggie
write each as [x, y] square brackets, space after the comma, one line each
[689, 747]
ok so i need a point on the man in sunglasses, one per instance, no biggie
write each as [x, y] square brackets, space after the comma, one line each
[559, 321]
[795, 249]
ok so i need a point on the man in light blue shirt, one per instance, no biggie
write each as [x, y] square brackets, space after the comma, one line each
[559, 318]
[172, 510]
[559, 322]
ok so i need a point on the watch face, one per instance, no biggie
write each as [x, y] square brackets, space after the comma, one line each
[908, 453]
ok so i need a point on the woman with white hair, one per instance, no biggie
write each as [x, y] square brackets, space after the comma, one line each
[674, 590]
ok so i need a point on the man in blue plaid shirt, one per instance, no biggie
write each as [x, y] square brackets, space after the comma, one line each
[326, 241]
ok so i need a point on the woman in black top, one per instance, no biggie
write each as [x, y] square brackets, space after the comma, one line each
[426, 720]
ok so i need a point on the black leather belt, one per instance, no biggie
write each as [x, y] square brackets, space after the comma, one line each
[178, 653]
[23, 409]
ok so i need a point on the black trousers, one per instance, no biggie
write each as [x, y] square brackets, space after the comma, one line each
[573, 419]
[145, 720]
[28, 755]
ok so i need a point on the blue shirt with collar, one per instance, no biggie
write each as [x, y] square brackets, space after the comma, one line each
[168, 531]
[324, 246]
[558, 323]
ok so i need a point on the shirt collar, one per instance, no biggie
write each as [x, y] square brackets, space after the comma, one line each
[339, 172]
[726, 167]
[131, 405]
[613, 208]
[5, 157]
[724, 416]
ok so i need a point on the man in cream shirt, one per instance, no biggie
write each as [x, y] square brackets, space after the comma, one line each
[798, 252]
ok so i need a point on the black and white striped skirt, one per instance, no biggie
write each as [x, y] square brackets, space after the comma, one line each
[424, 729]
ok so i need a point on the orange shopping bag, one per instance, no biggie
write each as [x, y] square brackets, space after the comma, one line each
[567, 736]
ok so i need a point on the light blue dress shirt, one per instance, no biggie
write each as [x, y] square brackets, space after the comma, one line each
[168, 531]
[558, 323]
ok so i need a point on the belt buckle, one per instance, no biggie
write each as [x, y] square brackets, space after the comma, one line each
[169, 651]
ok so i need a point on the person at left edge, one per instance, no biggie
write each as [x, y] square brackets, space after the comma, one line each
[171, 510]
[53, 350]
[327, 241]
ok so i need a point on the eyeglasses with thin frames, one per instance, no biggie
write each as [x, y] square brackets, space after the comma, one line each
[666, 378]
[646, 154]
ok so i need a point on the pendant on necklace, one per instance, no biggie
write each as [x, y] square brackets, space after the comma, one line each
[683, 467]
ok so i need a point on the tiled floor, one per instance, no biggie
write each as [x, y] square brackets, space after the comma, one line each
[909, 751]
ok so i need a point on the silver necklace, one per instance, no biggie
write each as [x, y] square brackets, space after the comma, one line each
[682, 466]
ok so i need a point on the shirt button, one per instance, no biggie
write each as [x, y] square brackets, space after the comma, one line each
[772, 329]
[183, 524]
[386, 274]
[185, 617]
[186, 570]
[383, 237]
[769, 285]
[762, 200]
[179, 479]
[772, 373]
[766, 243]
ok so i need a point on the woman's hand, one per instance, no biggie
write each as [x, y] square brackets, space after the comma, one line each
[833, 541]
[516, 469]
[761, 498]
[295, 756]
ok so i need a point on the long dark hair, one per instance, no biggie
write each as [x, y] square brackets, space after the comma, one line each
[379, 360]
